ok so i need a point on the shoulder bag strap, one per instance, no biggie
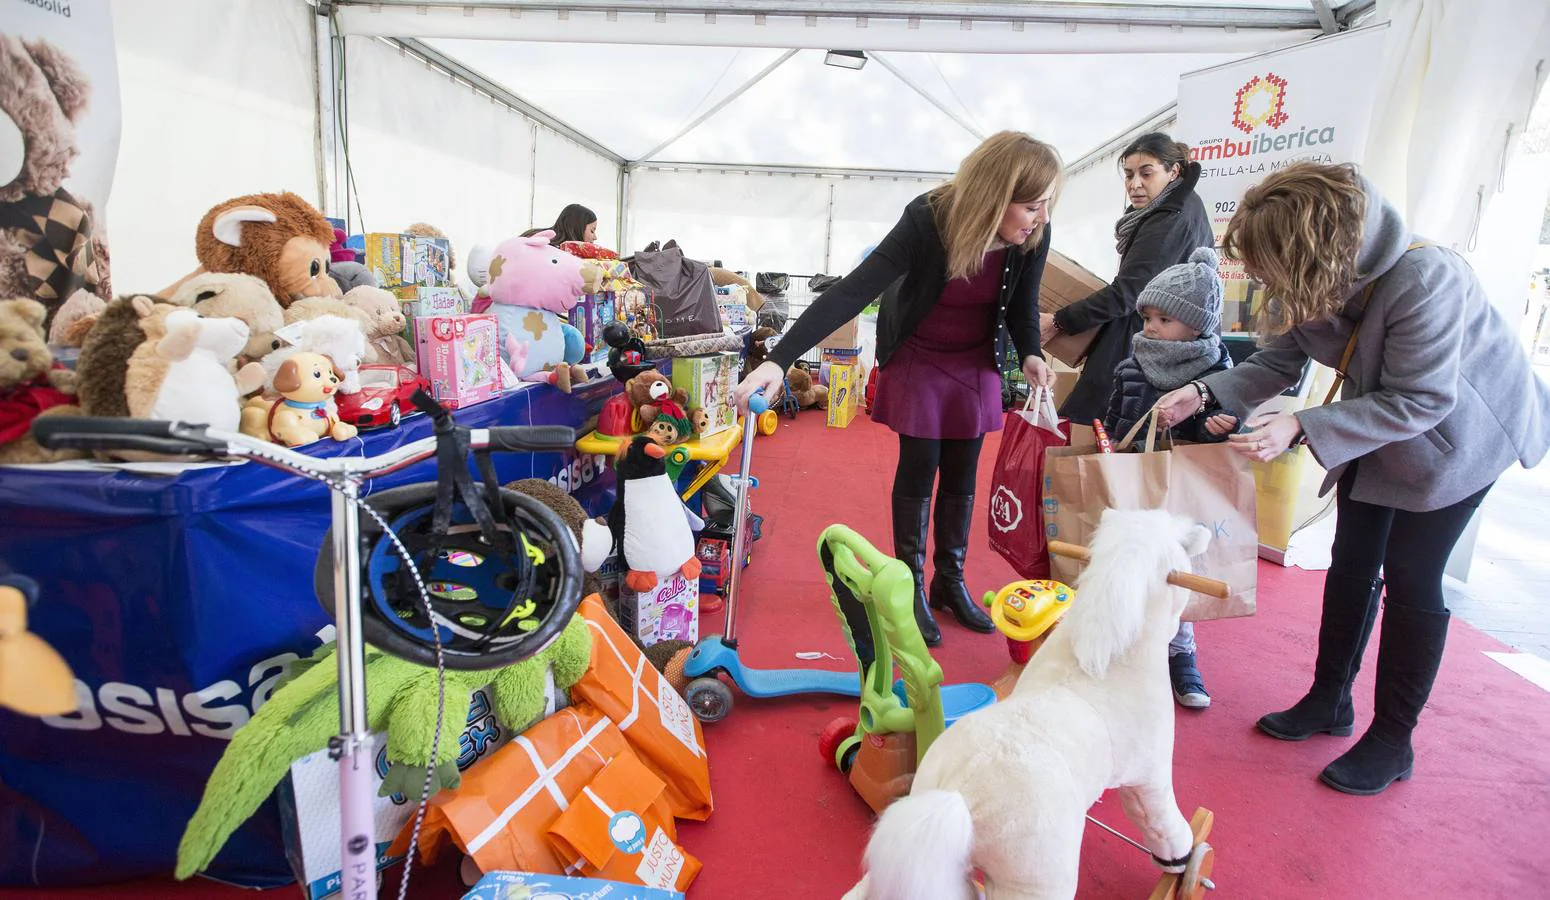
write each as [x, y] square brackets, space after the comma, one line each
[1350, 345]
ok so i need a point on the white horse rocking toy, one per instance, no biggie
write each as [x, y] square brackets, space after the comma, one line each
[1005, 790]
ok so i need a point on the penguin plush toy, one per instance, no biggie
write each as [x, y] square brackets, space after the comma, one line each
[649, 525]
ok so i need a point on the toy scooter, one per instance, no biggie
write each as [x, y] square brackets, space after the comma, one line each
[880, 748]
[711, 699]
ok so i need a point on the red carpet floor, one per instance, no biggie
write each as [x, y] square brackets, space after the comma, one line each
[1471, 824]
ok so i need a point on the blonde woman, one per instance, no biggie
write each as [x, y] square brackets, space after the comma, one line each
[970, 254]
[1439, 400]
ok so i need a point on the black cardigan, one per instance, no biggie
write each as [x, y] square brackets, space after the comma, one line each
[915, 251]
[1166, 237]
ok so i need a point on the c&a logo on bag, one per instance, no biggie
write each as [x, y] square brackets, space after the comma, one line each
[1006, 511]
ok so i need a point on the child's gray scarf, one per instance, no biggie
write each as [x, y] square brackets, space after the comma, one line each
[1169, 365]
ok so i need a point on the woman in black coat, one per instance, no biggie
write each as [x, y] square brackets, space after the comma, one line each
[1163, 223]
[967, 257]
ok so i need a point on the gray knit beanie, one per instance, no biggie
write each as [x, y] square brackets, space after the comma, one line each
[1189, 292]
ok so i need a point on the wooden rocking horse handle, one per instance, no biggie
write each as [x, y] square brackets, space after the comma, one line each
[1198, 583]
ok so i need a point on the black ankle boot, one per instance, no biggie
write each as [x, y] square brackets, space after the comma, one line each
[1350, 607]
[1409, 652]
[954, 513]
[911, 516]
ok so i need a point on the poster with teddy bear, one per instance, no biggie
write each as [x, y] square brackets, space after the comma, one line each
[59, 134]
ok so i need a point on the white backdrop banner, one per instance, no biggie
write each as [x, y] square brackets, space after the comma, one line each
[1248, 119]
[59, 125]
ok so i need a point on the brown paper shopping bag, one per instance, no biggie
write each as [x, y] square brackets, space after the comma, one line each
[1209, 483]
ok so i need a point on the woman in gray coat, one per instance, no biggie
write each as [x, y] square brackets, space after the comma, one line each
[1439, 399]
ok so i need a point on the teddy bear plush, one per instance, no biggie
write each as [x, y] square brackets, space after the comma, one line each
[181, 372]
[647, 390]
[805, 391]
[48, 248]
[31, 385]
[384, 320]
[244, 297]
[280, 238]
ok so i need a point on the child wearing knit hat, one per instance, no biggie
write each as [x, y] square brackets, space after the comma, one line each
[1179, 345]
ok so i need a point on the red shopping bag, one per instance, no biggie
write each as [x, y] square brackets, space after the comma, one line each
[1016, 489]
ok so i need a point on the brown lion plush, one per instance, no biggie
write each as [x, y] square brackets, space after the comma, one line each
[279, 238]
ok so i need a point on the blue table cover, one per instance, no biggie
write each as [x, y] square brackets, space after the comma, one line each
[177, 600]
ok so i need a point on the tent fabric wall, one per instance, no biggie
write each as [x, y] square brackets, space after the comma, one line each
[570, 173]
[466, 169]
[771, 222]
[237, 116]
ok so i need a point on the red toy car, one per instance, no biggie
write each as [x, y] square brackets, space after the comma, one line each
[384, 397]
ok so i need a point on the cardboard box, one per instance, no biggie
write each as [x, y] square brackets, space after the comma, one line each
[668, 612]
[846, 337]
[1064, 283]
[434, 301]
[1065, 380]
[709, 380]
[844, 394]
[830, 357]
[460, 356]
[402, 263]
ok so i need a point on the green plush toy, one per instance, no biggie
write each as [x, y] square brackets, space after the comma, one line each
[303, 714]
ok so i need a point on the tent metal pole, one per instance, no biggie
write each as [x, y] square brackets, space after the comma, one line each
[1326, 16]
[720, 105]
[532, 188]
[828, 229]
[503, 94]
[882, 61]
[623, 209]
[1181, 13]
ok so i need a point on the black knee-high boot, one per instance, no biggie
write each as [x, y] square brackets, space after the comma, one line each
[954, 514]
[1350, 606]
[1409, 654]
[911, 516]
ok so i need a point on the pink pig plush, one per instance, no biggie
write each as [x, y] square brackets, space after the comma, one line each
[533, 286]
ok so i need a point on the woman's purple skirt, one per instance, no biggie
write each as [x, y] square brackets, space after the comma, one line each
[946, 395]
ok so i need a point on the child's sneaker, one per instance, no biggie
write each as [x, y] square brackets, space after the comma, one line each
[1188, 687]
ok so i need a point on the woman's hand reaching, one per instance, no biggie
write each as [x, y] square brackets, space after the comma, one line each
[1221, 424]
[769, 377]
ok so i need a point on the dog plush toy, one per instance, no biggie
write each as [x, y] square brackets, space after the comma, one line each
[304, 411]
[1005, 789]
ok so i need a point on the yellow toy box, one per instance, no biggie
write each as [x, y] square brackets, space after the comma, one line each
[844, 394]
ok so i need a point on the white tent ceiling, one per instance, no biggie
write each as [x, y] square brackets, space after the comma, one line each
[633, 74]
[631, 98]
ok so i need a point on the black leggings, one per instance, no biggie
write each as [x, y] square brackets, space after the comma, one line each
[1411, 548]
[920, 459]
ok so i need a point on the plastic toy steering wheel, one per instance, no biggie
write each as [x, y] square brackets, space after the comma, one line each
[1024, 610]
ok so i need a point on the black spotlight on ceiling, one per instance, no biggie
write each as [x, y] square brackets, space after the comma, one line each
[845, 59]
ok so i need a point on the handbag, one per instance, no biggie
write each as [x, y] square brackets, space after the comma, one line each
[681, 289]
[1017, 530]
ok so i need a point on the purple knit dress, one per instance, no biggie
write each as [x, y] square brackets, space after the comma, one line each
[942, 382]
